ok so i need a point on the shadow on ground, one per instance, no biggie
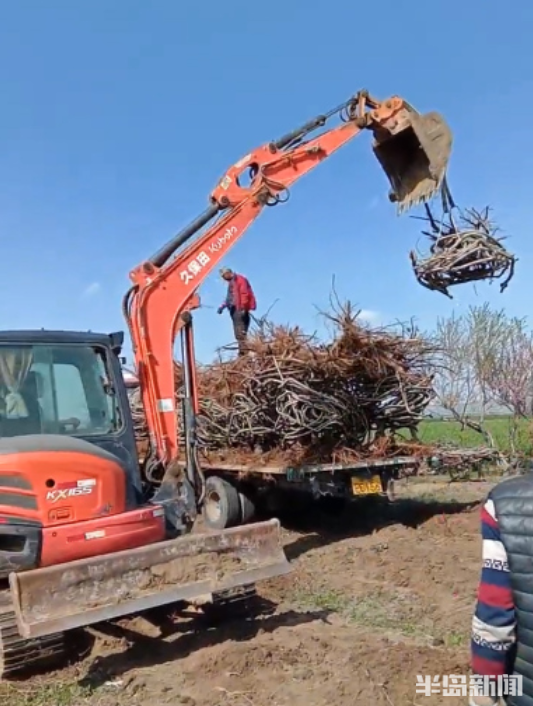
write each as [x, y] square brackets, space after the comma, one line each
[180, 638]
[361, 518]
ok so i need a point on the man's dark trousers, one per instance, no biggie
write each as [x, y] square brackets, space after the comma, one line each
[241, 324]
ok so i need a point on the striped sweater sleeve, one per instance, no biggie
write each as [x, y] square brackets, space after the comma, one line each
[493, 625]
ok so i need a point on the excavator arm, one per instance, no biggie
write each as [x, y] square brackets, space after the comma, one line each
[412, 149]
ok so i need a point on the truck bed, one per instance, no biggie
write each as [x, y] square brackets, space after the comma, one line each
[296, 471]
[359, 478]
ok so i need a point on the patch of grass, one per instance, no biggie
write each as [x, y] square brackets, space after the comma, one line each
[394, 612]
[455, 639]
[446, 496]
[432, 431]
[49, 694]
[385, 612]
[328, 600]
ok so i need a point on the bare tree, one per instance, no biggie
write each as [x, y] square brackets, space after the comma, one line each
[486, 359]
[486, 331]
[510, 375]
[456, 382]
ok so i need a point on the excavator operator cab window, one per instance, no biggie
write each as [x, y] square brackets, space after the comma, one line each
[56, 389]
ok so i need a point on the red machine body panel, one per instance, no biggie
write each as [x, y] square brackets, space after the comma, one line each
[79, 501]
[55, 487]
[80, 540]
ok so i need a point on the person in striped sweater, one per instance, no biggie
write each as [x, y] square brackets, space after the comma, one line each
[494, 621]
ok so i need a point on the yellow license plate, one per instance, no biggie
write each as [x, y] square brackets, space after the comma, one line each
[362, 486]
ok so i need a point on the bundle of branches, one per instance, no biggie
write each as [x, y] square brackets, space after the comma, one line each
[466, 250]
[301, 400]
[461, 462]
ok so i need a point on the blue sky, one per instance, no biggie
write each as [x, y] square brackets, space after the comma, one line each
[118, 117]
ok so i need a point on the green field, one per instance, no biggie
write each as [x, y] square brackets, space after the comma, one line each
[444, 431]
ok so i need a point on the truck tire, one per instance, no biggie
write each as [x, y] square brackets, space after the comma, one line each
[222, 508]
[247, 506]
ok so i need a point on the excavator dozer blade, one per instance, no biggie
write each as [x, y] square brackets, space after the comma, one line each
[414, 151]
[189, 568]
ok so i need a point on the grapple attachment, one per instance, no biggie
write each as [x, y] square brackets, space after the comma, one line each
[414, 151]
[190, 568]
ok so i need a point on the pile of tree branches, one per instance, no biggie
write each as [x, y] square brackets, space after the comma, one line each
[295, 398]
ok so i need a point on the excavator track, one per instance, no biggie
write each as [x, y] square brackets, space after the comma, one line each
[18, 655]
[242, 596]
[238, 603]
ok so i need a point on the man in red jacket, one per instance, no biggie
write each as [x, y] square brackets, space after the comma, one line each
[240, 301]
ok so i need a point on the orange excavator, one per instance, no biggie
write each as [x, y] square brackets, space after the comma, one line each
[85, 536]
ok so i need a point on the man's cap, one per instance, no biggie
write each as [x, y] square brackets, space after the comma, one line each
[225, 271]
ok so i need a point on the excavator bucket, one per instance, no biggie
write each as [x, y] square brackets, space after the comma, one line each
[190, 568]
[414, 151]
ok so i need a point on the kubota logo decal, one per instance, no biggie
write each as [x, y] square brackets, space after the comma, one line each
[72, 489]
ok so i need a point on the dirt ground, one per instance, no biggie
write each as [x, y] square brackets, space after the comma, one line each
[374, 600]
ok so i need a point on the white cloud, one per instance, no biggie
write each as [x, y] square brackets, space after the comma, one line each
[92, 289]
[369, 316]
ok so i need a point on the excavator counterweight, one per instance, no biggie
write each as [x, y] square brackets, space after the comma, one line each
[413, 151]
[190, 568]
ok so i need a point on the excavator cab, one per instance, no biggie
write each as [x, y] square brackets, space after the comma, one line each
[413, 150]
[82, 538]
